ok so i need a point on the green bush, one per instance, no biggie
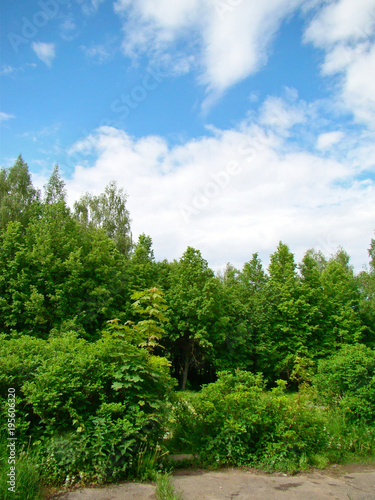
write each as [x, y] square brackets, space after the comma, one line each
[235, 421]
[346, 381]
[87, 407]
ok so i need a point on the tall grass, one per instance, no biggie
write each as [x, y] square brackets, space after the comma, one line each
[27, 479]
[165, 489]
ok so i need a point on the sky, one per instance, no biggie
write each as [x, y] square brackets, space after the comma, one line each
[230, 124]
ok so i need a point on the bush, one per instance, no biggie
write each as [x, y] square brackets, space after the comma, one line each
[235, 421]
[346, 381]
[88, 407]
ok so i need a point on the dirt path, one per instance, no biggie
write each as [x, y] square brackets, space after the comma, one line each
[341, 483]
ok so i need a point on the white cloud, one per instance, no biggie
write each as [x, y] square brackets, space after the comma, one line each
[13, 70]
[44, 51]
[5, 116]
[345, 31]
[277, 113]
[329, 139]
[7, 70]
[231, 193]
[98, 53]
[230, 39]
[68, 28]
[90, 7]
[342, 21]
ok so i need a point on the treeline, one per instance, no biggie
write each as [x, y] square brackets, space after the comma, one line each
[95, 336]
[74, 270]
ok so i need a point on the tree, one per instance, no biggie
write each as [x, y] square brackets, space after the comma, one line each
[107, 211]
[192, 313]
[54, 190]
[254, 287]
[311, 268]
[366, 284]
[141, 269]
[288, 314]
[340, 304]
[244, 318]
[57, 274]
[19, 199]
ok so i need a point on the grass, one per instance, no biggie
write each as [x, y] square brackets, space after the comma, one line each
[27, 480]
[165, 489]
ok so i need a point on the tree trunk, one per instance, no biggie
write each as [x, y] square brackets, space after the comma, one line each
[185, 372]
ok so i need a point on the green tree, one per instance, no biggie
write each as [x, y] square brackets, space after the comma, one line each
[366, 284]
[232, 352]
[192, 313]
[244, 317]
[254, 292]
[340, 305]
[54, 190]
[57, 274]
[288, 314]
[19, 200]
[311, 268]
[150, 306]
[107, 211]
[141, 269]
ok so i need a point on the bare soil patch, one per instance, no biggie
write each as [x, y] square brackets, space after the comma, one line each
[354, 482]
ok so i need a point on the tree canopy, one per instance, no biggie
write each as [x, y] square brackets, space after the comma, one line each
[74, 270]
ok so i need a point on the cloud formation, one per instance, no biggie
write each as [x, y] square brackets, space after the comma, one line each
[232, 37]
[345, 31]
[44, 51]
[233, 192]
[5, 116]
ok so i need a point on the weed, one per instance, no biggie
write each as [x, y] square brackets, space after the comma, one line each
[165, 489]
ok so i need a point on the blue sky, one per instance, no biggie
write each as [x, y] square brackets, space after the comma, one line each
[231, 124]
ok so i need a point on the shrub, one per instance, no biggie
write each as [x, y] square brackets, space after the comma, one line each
[88, 407]
[235, 421]
[346, 381]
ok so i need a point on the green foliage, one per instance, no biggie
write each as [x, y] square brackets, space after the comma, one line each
[346, 441]
[107, 211]
[19, 200]
[96, 409]
[235, 421]
[192, 312]
[366, 285]
[244, 317]
[150, 306]
[28, 481]
[57, 272]
[54, 190]
[165, 489]
[288, 326]
[346, 381]
[87, 406]
[142, 268]
[149, 462]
